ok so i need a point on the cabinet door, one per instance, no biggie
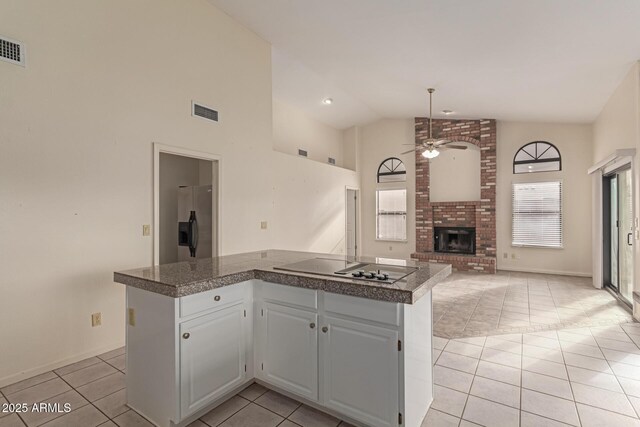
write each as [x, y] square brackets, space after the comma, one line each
[290, 349]
[360, 371]
[212, 357]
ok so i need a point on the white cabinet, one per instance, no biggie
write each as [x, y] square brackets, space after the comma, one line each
[360, 370]
[290, 349]
[212, 357]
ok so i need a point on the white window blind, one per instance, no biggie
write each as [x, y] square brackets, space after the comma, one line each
[391, 214]
[537, 214]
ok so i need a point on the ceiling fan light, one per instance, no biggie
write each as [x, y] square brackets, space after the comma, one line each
[430, 154]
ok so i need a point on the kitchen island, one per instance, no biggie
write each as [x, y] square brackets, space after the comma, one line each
[349, 336]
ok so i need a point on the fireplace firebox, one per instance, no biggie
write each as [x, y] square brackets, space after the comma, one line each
[457, 240]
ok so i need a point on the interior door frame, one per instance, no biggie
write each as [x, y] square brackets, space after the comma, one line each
[348, 188]
[184, 152]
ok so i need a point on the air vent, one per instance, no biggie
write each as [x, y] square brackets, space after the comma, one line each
[302, 152]
[11, 51]
[331, 161]
[204, 112]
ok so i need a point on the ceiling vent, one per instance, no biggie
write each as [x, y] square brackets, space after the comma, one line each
[302, 152]
[204, 112]
[11, 51]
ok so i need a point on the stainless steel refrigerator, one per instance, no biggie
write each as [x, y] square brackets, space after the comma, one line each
[195, 222]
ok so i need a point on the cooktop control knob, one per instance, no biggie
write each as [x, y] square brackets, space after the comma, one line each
[357, 273]
[370, 275]
[383, 276]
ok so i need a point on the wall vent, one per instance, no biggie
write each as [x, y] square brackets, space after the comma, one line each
[302, 152]
[204, 112]
[11, 51]
[331, 161]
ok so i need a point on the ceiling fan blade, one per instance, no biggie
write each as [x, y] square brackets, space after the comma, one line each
[407, 152]
[455, 147]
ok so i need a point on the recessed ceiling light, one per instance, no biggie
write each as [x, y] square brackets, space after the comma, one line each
[327, 101]
[447, 112]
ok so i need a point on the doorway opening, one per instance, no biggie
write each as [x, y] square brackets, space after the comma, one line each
[186, 205]
[617, 197]
[351, 222]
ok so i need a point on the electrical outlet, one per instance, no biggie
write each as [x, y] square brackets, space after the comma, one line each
[505, 255]
[514, 256]
[96, 319]
[263, 225]
[146, 230]
[132, 317]
[390, 248]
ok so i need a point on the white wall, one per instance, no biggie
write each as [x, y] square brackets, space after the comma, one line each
[455, 175]
[76, 130]
[379, 141]
[293, 129]
[575, 145]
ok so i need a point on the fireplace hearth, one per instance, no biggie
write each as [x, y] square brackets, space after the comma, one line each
[456, 240]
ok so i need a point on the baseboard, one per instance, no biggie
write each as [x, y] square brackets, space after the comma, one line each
[543, 271]
[11, 379]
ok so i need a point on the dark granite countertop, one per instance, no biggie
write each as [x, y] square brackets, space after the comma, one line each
[191, 277]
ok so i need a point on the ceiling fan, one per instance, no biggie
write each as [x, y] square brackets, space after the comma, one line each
[431, 145]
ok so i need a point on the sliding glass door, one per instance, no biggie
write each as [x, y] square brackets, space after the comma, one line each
[618, 233]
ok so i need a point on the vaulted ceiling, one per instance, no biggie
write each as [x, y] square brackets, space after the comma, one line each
[530, 60]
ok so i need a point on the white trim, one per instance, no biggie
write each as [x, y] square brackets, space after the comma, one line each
[179, 151]
[346, 204]
[623, 152]
[544, 271]
[12, 379]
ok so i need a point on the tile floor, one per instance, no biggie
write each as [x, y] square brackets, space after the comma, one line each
[468, 304]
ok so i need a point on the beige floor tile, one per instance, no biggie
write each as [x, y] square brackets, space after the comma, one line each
[534, 340]
[87, 416]
[131, 419]
[113, 353]
[502, 345]
[436, 418]
[71, 397]
[252, 392]
[621, 356]
[216, 416]
[465, 423]
[3, 401]
[103, 387]
[118, 362]
[545, 367]
[628, 347]
[494, 371]
[592, 378]
[542, 353]
[596, 417]
[546, 384]
[439, 343]
[472, 340]
[88, 374]
[496, 391]
[532, 420]
[582, 349]
[457, 361]
[113, 404]
[287, 423]
[604, 399]
[451, 378]
[489, 413]
[277, 403]
[587, 362]
[626, 371]
[550, 406]
[310, 417]
[630, 387]
[253, 415]
[501, 357]
[30, 382]
[449, 401]
[464, 349]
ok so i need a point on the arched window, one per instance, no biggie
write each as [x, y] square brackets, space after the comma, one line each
[537, 156]
[392, 170]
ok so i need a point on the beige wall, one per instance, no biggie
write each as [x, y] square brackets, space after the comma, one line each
[618, 124]
[76, 132]
[574, 143]
[293, 129]
[378, 141]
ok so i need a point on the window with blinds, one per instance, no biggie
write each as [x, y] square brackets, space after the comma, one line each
[391, 215]
[537, 214]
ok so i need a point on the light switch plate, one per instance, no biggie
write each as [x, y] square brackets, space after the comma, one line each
[263, 225]
[96, 319]
[146, 230]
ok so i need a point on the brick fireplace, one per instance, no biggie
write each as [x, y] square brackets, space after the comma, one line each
[478, 215]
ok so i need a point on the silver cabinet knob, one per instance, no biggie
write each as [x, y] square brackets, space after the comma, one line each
[186, 335]
[216, 298]
[325, 329]
[312, 325]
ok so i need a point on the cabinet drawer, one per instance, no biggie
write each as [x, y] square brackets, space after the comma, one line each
[361, 308]
[283, 294]
[215, 298]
